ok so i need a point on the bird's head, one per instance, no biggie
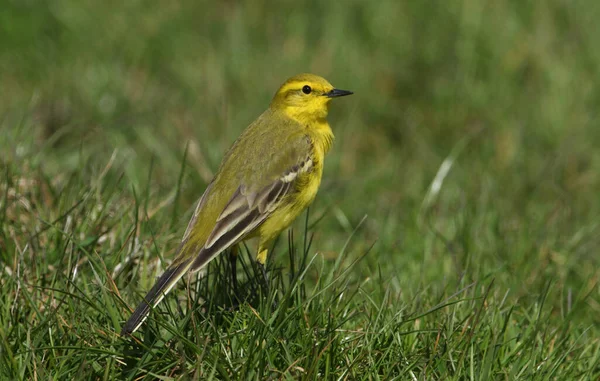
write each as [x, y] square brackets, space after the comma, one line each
[306, 97]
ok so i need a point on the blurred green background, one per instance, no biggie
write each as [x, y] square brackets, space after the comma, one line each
[497, 101]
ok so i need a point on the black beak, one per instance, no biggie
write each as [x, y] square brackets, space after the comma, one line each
[338, 93]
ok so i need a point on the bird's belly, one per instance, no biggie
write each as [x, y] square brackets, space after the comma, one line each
[292, 206]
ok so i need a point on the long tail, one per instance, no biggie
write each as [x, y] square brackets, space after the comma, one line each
[155, 295]
[227, 234]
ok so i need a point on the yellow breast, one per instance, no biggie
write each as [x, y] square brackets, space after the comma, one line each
[306, 184]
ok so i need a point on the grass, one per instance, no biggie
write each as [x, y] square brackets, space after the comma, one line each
[455, 236]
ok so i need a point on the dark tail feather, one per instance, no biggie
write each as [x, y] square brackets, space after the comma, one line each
[163, 285]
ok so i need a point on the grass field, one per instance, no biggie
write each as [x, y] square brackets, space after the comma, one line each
[456, 234]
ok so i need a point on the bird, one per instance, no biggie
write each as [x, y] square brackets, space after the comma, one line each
[270, 174]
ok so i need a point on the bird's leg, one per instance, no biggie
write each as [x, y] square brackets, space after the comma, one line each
[233, 254]
[261, 260]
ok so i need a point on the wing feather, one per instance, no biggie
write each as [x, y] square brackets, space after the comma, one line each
[262, 178]
[245, 211]
[237, 219]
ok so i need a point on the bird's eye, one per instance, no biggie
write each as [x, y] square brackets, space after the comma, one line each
[306, 89]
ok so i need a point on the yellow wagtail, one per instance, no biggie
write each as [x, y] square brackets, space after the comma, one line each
[266, 179]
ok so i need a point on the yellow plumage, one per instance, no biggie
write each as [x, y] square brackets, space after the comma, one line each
[267, 178]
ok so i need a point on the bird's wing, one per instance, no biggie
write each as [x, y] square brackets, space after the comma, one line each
[262, 188]
[256, 198]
